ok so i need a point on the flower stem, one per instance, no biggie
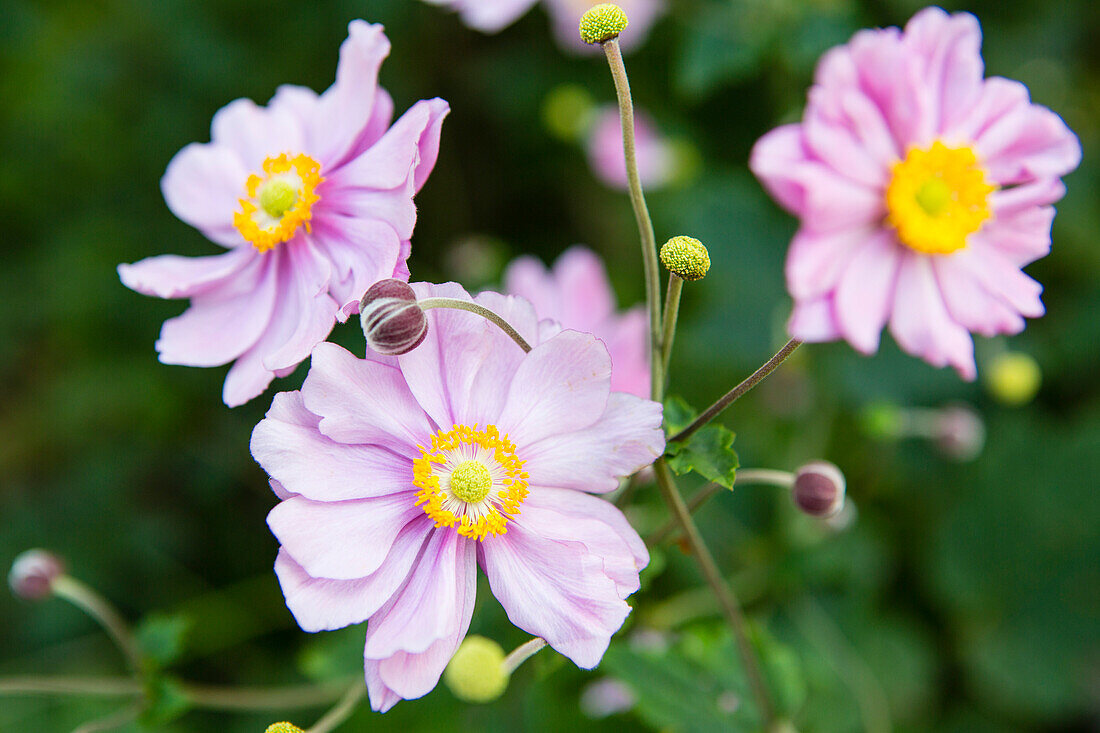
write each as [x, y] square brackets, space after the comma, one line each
[264, 698]
[465, 305]
[100, 609]
[641, 215]
[737, 392]
[91, 686]
[522, 653]
[721, 590]
[342, 710]
[113, 721]
[744, 476]
[672, 310]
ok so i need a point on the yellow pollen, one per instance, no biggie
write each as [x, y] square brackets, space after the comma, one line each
[937, 198]
[470, 479]
[279, 201]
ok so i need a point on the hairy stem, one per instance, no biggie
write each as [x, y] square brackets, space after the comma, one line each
[722, 591]
[100, 609]
[737, 392]
[744, 476]
[522, 653]
[641, 215]
[341, 711]
[672, 310]
[465, 305]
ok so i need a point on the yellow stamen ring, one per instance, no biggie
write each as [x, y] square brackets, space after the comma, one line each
[937, 198]
[471, 478]
[279, 201]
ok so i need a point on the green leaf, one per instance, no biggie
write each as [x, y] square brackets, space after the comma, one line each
[167, 701]
[161, 637]
[708, 451]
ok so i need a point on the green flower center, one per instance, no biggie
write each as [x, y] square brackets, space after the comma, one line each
[933, 196]
[277, 197]
[470, 481]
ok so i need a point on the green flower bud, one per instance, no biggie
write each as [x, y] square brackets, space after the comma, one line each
[476, 672]
[602, 23]
[686, 257]
[283, 727]
[1013, 378]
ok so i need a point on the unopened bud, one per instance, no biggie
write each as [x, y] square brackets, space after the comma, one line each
[818, 489]
[960, 433]
[33, 572]
[283, 727]
[602, 22]
[1013, 378]
[686, 257]
[392, 321]
[476, 672]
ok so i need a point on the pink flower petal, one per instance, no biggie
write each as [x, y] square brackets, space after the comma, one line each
[202, 186]
[865, 293]
[392, 160]
[321, 604]
[627, 341]
[255, 133]
[835, 144]
[1021, 236]
[1026, 143]
[627, 437]
[893, 78]
[569, 516]
[223, 323]
[345, 108]
[950, 48]
[1001, 277]
[394, 207]
[431, 604]
[288, 445]
[816, 261]
[561, 386]
[920, 321]
[362, 252]
[970, 304]
[461, 372]
[306, 313]
[363, 401]
[554, 589]
[173, 276]
[814, 320]
[487, 16]
[341, 540]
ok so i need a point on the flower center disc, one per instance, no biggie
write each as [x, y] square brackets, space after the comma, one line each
[470, 478]
[937, 198]
[279, 201]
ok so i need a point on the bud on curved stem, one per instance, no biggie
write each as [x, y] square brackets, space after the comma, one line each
[33, 573]
[818, 489]
[393, 322]
[466, 305]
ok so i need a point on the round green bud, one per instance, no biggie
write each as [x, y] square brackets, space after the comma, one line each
[476, 672]
[602, 23]
[1013, 378]
[283, 727]
[686, 257]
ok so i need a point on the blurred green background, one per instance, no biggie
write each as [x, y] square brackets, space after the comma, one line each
[966, 595]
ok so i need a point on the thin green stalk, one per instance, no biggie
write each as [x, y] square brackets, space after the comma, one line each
[91, 686]
[341, 711]
[737, 392]
[522, 653]
[744, 476]
[672, 310]
[641, 215]
[100, 609]
[465, 305]
[722, 591]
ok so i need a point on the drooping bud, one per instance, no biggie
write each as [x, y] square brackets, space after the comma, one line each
[1013, 378]
[283, 727]
[33, 572]
[602, 23]
[686, 257]
[960, 433]
[392, 321]
[818, 489]
[476, 672]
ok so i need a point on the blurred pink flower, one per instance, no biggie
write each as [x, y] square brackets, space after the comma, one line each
[312, 195]
[922, 189]
[577, 295]
[399, 475]
[655, 156]
[491, 16]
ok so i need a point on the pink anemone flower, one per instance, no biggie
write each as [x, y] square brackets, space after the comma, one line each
[400, 475]
[577, 294]
[312, 196]
[922, 189]
[491, 16]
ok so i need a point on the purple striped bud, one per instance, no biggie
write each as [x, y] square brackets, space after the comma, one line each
[33, 572]
[818, 489]
[392, 321]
